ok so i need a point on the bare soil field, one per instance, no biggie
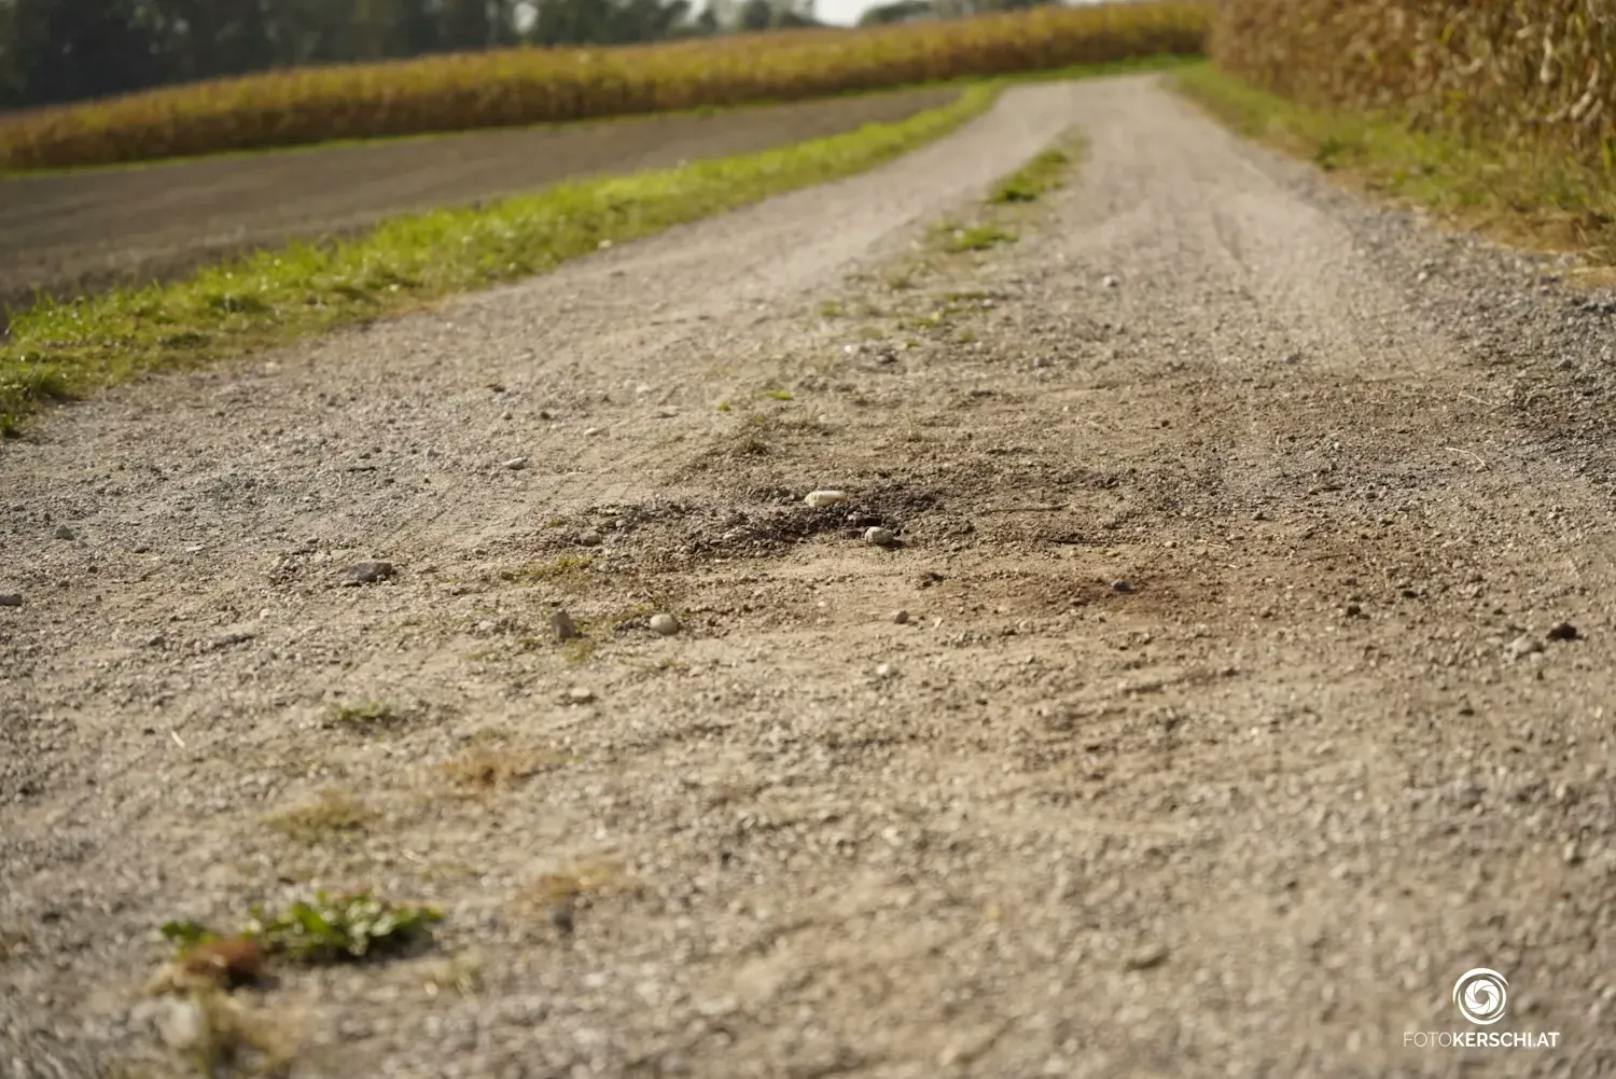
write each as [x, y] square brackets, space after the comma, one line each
[67, 232]
[1254, 677]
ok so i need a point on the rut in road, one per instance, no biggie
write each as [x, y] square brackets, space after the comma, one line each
[1224, 733]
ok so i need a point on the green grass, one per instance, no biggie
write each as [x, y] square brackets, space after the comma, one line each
[1033, 180]
[1541, 200]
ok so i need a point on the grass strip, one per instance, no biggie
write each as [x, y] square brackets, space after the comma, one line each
[1530, 197]
[60, 350]
[1039, 176]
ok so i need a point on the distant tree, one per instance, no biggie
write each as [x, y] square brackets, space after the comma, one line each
[768, 14]
[606, 22]
[417, 30]
[467, 24]
[756, 15]
[61, 50]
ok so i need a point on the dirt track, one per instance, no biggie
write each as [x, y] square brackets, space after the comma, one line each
[64, 233]
[1252, 814]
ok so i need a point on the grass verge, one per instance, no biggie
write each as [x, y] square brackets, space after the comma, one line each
[1534, 199]
[59, 350]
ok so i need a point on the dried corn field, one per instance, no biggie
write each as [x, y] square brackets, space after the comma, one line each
[528, 86]
[1533, 72]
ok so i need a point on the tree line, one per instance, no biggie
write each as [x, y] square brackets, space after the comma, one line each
[66, 50]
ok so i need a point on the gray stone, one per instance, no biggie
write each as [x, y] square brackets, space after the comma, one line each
[880, 537]
[564, 626]
[369, 573]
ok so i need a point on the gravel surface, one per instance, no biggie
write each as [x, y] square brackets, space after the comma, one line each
[67, 231]
[1252, 814]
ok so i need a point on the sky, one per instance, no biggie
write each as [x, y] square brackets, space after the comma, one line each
[847, 12]
[841, 12]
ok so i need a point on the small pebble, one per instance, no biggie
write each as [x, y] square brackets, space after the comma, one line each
[880, 537]
[885, 670]
[369, 573]
[665, 624]
[564, 627]
[10, 599]
[1564, 631]
[1523, 646]
[1147, 958]
[1110, 281]
[1123, 586]
[901, 617]
[63, 532]
[825, 498]
[181, 1024]
[580, 695]
[516, 464]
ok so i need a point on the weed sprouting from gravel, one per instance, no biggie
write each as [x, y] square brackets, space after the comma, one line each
[339, 929]
[365, 716]
[324, 929]
[1034, 179]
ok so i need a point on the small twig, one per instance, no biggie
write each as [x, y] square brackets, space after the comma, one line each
[1481, 463]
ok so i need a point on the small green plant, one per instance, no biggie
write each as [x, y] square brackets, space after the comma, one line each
[832, 309]
[977, 238]
[1034, 179]
[778, 395]
[364, 715]
[340, 929]
[325, 929]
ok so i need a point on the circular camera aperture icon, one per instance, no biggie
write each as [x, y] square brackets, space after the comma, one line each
[1481, 995]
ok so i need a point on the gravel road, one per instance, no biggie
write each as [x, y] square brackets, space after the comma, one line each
[1231, 717]
[61, 233]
